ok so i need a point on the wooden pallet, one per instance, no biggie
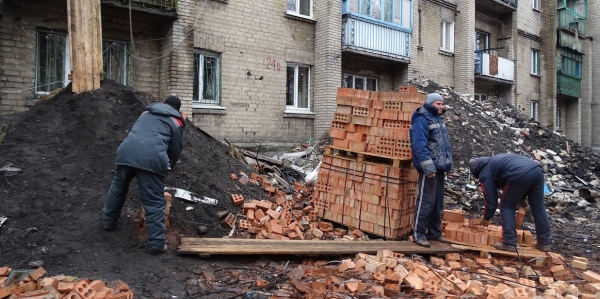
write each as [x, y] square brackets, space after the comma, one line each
[367, 157]
[524, 251]
[211, 246]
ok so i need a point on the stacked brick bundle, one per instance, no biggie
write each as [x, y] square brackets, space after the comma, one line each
[369, 183]
[461, 230]
[375, 122]
[31, 285]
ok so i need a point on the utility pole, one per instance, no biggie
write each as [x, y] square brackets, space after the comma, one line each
[85, 46]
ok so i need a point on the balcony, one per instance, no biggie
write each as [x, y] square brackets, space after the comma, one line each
[486, 66]
[570, 20]
[497, 6]
[158, 7]
[376, 39]
[568, 85]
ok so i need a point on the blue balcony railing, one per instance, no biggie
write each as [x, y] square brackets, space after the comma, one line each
[374, 37]
[568, 19]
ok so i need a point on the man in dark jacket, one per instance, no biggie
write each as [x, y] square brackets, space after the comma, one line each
[149, 152]
[432, 157]
[518, 177]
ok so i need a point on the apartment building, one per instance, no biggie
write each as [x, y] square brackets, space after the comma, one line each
[267, 71]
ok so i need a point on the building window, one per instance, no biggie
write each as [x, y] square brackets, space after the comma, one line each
[114, 56]
[359, 82]
[535, 62]
[536, 4]
[570, 63]
[533, 111]
[297, 88]
[53, 65]
[482, 41]
[207, 75]
[480, 97]
[300, 7]
[557, 124]
[397, 12]
[447, 36]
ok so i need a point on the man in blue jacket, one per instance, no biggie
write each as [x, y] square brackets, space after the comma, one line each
[518, 177]
[148, 153]
[432, 157]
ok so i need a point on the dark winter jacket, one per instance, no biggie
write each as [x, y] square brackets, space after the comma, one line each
[155, 141]
[429, 140]
[499, 172]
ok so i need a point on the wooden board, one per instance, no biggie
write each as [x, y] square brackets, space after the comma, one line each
[208, 246]
[396, 162]
[524, 252]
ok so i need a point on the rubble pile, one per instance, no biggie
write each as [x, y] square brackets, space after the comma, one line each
[389, 274]
[31, 284]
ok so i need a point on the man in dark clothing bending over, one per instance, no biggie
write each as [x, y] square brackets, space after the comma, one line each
[432, 157]
[149, 152]
[518, 177]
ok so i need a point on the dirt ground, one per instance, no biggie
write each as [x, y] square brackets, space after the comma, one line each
[66, 148]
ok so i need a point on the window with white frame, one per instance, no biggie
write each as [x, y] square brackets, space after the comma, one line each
[52, 67]
[447, 36]
[533, 111]
[482, 41]
[397, 12]
[359, 82]
[536, 4]
[557, 123]
[298, 88]
[535, 62]
[480, 97]
[300, 7]
[207, 77]
[114, 56]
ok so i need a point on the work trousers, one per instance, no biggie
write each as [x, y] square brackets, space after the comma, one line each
[429, 207]
[151, 186]
[532, 186]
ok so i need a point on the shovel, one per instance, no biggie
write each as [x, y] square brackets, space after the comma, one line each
[469, 185]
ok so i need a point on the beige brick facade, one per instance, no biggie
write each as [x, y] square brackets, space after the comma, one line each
[593, 28]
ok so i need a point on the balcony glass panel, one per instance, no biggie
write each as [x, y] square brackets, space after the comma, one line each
[374, 37]
[391, 12]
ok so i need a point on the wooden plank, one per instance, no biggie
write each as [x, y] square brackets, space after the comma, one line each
[212, 246]
[524, 252]
[85, 43]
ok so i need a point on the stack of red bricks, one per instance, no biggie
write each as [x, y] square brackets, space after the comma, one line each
[461, 230]
[367, 194]
[375, 122]
[31, 285]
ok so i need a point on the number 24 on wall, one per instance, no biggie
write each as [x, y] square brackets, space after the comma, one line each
[272, 64]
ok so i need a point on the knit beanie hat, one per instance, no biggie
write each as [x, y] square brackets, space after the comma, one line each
[173, 102]
[433, 97]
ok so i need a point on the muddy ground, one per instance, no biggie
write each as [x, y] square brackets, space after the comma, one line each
[66, 149]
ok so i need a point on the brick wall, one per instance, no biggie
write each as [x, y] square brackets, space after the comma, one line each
[464, 46]
[328, 63]
[18, 38]
[548, 62]
[593, 29]
[247, 35]
[528, 87]
[584, 125]
[429, 60]
[381, 70]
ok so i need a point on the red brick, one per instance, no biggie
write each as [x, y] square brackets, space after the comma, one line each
[238, 199]
[97, 285]
[388, 114]
[84, 290]
[125, 295]
[274, 214]
[37, 273]
[74, 295]
[341, 143]
[347, 92]
[336, 133]
[357, 146]
[229, 221]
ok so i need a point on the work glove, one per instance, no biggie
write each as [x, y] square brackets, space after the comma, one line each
[431, 175]
[484, 222]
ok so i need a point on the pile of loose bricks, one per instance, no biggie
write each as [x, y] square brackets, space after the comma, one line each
[357, 189]
[389, 274]
[284, 218]
[456, 228]
[31, 285]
